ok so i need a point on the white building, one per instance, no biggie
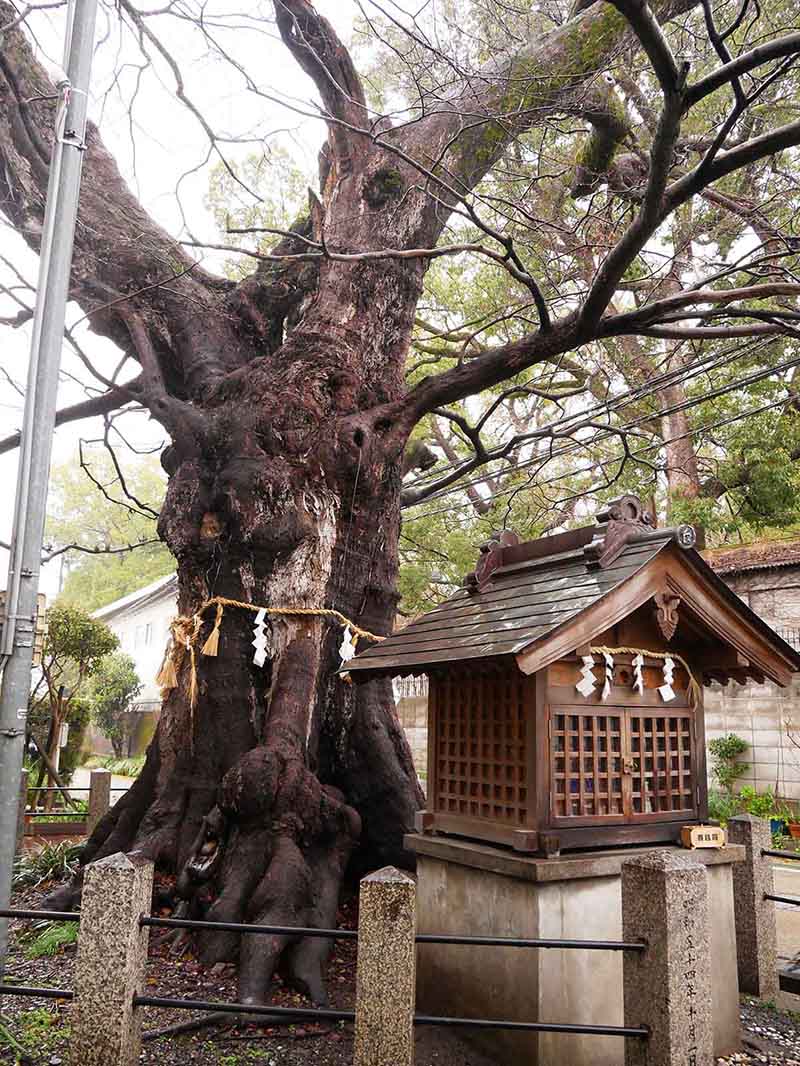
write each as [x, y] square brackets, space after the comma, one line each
[141, 622]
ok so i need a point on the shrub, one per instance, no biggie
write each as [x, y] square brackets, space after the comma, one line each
[51, 862]
[759, 804]
[721, 806]
[724, 754]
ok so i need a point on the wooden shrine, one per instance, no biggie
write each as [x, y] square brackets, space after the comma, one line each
[566, 700]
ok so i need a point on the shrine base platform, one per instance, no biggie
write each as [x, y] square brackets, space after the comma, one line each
[471, 889]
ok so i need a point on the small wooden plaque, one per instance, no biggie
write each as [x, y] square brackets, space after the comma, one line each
[703, 836]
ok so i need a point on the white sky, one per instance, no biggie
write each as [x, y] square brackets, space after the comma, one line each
[167, 141]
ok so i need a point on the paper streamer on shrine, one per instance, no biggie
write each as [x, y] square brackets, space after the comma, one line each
[587, 682]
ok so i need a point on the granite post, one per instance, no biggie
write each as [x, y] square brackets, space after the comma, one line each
[23, 803]
[756, 940]
[386, 971]
[110, 968]
[99, 798]
[667, 987]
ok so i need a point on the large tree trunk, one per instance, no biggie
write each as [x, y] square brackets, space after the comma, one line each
[260, 797]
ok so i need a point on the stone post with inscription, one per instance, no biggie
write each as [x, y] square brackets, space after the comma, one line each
[386, 970]
[110, 968]
[667, 987]
[756, 938]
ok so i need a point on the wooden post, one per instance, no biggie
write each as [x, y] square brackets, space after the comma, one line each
[110, 968]
[99, 798]
[386, 972]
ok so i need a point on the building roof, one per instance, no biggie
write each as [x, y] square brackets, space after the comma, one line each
[163, 588]
[761, 555]
[526, 599]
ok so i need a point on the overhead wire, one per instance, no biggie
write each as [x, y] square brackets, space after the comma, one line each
[621, 400]
[543, 460]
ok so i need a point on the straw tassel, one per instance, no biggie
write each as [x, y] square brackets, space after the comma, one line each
[211, 646]
[166, 678]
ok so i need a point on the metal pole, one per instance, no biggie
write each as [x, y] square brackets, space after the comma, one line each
[39, 423]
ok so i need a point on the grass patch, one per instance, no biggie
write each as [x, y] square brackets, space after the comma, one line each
[45, 939]
[37, 1033]
[50, 862]
[130, 767]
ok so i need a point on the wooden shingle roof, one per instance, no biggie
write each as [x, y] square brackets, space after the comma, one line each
[539, 600]
[523, 603]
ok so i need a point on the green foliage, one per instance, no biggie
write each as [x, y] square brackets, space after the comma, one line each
[50, 862]
[759, 804]
[111, 692]
[44, 939]
[129, 767]
[36, 1035]
[75, 641]
[71, 755]
[79, 513]
[721, 806]
[725, 752]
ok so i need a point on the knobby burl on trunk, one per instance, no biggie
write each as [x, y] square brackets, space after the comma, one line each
[284, 398]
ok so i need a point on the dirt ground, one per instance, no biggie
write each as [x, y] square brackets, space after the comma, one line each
[35, 1032]
[40, 1027]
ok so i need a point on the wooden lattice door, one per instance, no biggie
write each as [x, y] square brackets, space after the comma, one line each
[481, 736]
[621, 765]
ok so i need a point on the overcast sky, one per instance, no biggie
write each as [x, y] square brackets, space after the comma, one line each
[156, 142]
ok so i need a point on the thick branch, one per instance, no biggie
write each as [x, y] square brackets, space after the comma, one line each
[97, 405]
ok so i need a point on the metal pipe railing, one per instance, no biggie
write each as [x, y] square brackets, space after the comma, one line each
[306, 1013]
[421, 938]
[41, 993]
[794, 900]
[45, 916]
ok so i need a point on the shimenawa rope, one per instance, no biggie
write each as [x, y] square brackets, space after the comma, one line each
[185, 630]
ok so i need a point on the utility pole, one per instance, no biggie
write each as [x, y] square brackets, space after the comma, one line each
[38, 424]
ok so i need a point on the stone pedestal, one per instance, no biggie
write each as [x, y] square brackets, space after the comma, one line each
[478, 890]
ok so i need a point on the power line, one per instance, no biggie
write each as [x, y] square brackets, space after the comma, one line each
[618, 402]
[615, 431]
[609, 462]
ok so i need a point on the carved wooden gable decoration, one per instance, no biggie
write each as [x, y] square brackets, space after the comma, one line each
[537, 601]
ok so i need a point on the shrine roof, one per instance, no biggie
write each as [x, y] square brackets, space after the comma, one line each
[528, 599]
[522, 602]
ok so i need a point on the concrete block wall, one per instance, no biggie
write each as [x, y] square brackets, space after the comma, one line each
[764, 716]
[413, 714]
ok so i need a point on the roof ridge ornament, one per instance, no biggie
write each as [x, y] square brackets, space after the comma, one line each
[618, 523]
[490, 558]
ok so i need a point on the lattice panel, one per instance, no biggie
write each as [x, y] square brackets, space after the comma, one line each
[481, 762]
[661, 756]
[586, 765]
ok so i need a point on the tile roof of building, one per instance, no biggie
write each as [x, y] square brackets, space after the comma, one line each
[761, 555]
